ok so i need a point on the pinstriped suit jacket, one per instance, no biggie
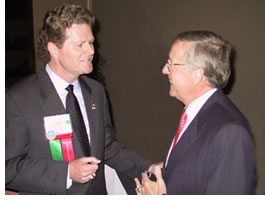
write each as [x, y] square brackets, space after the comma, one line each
[215, 155]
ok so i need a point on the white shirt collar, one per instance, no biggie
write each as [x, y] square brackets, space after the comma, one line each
[197, 104]
[61, 84]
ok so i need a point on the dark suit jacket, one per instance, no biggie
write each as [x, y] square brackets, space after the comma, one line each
[29, 166]
[215, 155]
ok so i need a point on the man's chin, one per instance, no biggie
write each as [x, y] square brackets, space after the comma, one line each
[172, 93]
[88, 70]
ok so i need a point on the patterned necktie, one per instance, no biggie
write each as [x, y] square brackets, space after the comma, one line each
[182, 123]
[79, 128]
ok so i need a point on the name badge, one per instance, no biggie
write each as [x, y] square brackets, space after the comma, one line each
[58, 131]
[58, 127]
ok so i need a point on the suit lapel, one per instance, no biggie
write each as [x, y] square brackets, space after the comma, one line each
[52, 104]
[188, 138]
[190, 135]
[91, 112]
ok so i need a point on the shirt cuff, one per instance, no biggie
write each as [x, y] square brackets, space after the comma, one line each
[68, 180]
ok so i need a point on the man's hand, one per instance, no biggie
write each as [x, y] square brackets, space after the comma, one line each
[83, 169]
[152, 167]
[149, 187]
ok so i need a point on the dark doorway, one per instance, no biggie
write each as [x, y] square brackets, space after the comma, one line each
[19, 40]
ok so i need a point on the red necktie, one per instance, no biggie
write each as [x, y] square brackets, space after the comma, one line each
[182, 123]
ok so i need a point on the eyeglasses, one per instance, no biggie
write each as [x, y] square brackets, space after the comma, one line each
[171, 65]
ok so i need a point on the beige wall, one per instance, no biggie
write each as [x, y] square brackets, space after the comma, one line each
[134, 39]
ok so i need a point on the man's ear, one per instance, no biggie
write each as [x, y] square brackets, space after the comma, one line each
[199, 75]
[53, 49]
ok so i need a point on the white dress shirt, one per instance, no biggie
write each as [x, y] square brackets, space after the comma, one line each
[60, 86]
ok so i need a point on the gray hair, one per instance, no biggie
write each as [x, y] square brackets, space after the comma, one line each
[209, 51]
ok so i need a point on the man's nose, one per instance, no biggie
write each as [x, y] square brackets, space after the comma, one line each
[89, 48]
[165, 70]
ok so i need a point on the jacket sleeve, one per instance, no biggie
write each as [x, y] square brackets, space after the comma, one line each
[23, 172]
[233, 163]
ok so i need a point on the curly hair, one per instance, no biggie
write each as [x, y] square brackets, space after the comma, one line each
[55, 23]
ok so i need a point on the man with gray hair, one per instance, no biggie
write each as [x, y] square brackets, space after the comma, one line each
[212, 151]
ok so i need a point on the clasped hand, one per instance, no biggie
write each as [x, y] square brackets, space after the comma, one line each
[83, 169]
[149, 187]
